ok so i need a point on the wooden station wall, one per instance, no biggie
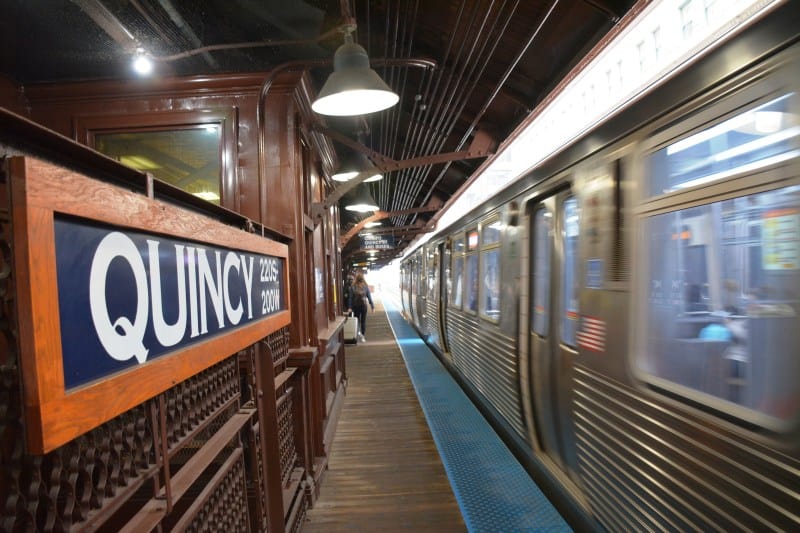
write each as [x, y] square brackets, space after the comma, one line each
[308, 361]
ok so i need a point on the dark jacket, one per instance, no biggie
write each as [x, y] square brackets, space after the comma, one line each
[358, 292]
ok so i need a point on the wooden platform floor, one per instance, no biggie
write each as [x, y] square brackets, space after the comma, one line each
[384, 471]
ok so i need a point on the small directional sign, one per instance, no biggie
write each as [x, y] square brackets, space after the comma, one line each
[371, 241]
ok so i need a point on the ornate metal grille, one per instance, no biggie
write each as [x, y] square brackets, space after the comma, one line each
[278, 344]
[286, 435]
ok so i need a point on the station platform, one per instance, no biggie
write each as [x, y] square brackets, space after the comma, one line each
[412, 453]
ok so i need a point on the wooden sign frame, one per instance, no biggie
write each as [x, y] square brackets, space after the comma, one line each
[39, 191]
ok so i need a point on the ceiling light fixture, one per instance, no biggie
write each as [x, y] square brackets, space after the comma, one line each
[353, 164]
[353, 88]
[142, 64]
[362, 201]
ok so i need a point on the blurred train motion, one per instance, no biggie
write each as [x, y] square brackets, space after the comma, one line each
[626, 314]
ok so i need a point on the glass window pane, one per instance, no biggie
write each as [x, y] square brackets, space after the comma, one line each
[472, 282]
[569, 296]
[186, 158]
[759, 137]
[472, 240]
[490, 270]
[458, 288]
[491, 232]
[433, 274]
[722, 300]
[542, 227]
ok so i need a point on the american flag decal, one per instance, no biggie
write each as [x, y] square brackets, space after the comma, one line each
[592, 334]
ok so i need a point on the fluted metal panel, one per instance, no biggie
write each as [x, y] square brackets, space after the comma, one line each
[647, 466]
[432, 322]
[488, 360]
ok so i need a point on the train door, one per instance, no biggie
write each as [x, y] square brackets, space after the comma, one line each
[444, 292]
[552, 325]
[412, 290]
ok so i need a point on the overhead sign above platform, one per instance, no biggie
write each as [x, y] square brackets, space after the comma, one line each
[371, 241]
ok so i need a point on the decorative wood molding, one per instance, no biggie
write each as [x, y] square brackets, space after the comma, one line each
[39, 191]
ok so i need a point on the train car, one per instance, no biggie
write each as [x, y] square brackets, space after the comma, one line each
[627, 313]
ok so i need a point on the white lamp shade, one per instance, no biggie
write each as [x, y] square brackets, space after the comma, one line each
[361, 201]
[353, 88]
[352, 164]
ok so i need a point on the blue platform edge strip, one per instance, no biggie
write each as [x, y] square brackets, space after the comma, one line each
[492, 489]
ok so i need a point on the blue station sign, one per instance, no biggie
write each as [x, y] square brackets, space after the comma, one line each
[127, 297]
[371, 241]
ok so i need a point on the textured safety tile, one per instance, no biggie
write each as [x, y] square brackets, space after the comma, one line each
[493, 490]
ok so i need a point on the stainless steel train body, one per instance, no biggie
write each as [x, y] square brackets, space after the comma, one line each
[627, 315]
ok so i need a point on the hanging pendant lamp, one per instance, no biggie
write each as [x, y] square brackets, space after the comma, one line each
[362, 201]
[353, 88]
[354, 163]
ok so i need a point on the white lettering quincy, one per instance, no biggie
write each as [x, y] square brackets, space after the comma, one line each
[212, 287]
[122, 339]
[167, 335]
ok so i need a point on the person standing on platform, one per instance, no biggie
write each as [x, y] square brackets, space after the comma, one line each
[360, 297]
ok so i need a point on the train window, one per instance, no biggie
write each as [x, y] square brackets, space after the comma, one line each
[723, 303]
[471, 285]
[759, 137]
[490, 232]
[457, 272]
[542, 227]
[188, 158]
[432, 275]
[490, 269]
[471, 271]
[458, 246]
[472, 240]
[569, 294]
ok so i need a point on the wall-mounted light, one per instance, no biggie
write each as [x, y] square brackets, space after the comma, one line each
[353, 88]
[142, 64]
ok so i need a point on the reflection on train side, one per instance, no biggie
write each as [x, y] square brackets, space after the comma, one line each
[723, 277]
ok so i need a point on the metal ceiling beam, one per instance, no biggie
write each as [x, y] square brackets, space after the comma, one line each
[397, 229]
[387, 164]
[380, 215]
[612, 15]
[109, 23]
[186, 30]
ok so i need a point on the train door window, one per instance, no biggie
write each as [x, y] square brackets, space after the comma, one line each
[433, 266]
[471, 271]
[542, 229]
[721, 289]
[489, 307]
[457, 272]
[569, 285]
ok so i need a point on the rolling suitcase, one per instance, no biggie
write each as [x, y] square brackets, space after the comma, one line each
[351, 329]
